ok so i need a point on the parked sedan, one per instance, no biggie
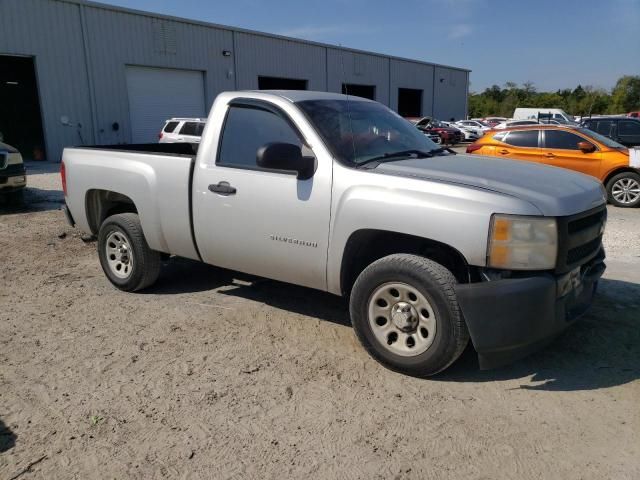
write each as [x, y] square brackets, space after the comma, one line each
[446, 134]
[469, 134]
[434, 137]
[477, 124]
[574, 148]
[13, 176]
[624, 130]
[493, 121]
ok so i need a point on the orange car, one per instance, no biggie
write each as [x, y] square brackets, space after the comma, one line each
[575, 148]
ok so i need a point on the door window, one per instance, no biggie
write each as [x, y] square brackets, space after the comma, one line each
[246, 129]
[629, 128]
[525, 138]
[560, 139]
[601, 126]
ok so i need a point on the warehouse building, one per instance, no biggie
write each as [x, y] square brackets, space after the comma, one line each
[74, 72]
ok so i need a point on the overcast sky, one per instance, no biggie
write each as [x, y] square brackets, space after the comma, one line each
[553, 43]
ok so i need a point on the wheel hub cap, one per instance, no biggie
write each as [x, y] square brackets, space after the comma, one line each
[118, 251]
[626, 190]
[404, 316]
[401, 319]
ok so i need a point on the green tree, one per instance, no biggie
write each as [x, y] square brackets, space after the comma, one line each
[625, 96]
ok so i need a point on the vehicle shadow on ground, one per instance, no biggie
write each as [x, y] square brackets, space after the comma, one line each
[600, 350]
[181, 275]
[7, 438]
[35, 200]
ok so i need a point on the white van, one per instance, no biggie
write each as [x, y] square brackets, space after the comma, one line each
[543, 113]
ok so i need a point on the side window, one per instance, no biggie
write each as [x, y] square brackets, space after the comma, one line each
[170, 127]
[628, 128]
[500, 136]
[190, 128]
[561, 140]
[601, 126]
[525, 138]
[246, 129]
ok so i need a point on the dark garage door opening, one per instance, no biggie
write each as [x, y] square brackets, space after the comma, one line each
[409, 102]
[276, 83]
[20, 119]
[364, 91]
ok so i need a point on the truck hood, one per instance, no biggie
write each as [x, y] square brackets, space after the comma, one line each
[553, 191]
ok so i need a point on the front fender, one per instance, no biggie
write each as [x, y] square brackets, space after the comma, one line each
[455, 215]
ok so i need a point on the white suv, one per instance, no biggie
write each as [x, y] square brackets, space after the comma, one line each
[182, 130]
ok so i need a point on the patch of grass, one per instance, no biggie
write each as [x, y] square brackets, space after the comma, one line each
[96, 420]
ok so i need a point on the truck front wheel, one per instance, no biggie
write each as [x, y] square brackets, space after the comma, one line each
[405, 313]
[126, 259]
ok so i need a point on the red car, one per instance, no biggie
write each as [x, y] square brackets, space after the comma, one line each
[633, 114]
[445, 134]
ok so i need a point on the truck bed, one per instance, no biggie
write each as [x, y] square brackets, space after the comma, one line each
[156, 177]
[189, 149]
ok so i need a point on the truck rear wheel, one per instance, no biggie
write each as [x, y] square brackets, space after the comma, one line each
[125, 256]
[405, 313]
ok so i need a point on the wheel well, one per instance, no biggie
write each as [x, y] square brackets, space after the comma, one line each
[101, 204]
[618, 171]
[366, 246]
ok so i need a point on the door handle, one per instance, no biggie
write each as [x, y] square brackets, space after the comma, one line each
[504, 151]
[549, 155]
[222, 188]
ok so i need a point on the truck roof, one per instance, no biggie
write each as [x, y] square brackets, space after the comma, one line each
[302, 95]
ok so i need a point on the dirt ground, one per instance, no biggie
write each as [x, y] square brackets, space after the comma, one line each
[207, 377]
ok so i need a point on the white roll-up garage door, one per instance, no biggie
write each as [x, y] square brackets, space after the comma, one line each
[157, 94]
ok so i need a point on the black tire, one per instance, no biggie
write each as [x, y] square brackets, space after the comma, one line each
[146, 262]
[436, 284]
[629, 177]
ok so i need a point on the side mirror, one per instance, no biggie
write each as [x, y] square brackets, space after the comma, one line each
[287, 157]
[586, 147]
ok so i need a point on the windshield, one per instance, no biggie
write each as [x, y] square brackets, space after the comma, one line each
[357, 131]
[601, 138]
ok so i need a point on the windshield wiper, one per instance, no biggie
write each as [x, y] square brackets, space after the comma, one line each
[403, 154]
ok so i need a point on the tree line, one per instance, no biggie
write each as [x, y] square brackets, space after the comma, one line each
[502, 101]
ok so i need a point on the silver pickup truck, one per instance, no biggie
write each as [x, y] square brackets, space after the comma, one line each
[341, 194]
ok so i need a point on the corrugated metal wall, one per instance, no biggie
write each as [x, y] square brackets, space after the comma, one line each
[51, 33]
[81, 52]
[450, 95]
[117, 39]
[259, 55]
[345, 66]
[419, 76]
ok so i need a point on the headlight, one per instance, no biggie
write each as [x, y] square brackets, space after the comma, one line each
[14, 159]
[522, 243]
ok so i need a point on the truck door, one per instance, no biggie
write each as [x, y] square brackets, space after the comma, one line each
[263, 222]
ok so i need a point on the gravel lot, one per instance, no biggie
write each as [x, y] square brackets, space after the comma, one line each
[208, 377]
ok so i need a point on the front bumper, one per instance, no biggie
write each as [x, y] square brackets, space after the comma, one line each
[13, 178]
[510, 318]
